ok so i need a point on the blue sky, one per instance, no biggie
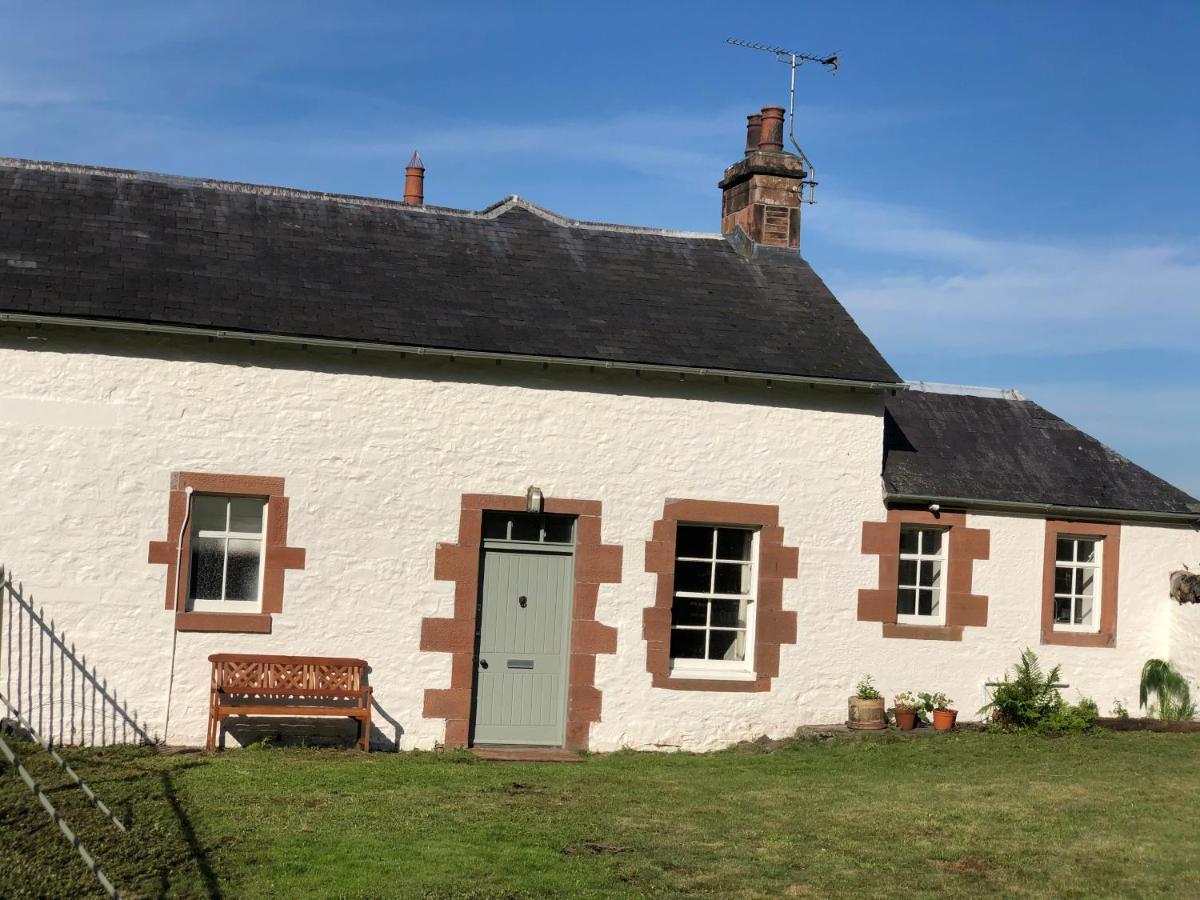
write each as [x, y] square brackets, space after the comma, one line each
[1009, 191]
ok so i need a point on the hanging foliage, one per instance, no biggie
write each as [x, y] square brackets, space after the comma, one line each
[1185, 586]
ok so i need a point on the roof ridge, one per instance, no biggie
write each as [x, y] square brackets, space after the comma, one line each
[966, 390]
[493, 211]
[515, 201]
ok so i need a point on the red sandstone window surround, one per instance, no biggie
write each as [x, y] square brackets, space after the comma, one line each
[926, 566]
[234, 552]
[718, 620]
[1080, 574]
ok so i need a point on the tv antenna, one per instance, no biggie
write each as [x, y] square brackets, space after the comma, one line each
[794, 60]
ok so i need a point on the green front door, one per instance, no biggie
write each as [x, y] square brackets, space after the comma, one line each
[524, 630]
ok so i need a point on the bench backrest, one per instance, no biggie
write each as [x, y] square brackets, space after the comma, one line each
[246, 673]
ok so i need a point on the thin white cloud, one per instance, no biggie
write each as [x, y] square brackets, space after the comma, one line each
[954, 290]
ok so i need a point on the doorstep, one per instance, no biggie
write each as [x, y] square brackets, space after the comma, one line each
[510, 753]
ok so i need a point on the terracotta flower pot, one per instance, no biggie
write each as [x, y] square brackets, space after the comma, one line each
[943, 719]
[906, 718]
[867, 715]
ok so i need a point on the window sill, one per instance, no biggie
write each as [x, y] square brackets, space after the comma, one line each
[228, 623]
[712, 674]
[923, 632]
[1067, 638]
[708, 680]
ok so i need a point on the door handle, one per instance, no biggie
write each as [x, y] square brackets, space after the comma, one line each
[522, 601]
[483, 664]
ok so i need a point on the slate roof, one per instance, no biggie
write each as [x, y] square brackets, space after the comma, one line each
[141, 248]
[1011, 450]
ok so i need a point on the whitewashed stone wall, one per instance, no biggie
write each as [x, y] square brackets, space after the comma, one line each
[377, 452]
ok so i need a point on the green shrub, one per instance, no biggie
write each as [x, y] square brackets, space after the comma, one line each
[1082, 717]
[1030, 700]
[1169, 688]
[866, 689]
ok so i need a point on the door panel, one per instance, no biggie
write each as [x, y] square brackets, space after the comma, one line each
[521, 670]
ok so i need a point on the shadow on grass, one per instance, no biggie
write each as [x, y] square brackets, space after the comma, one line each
[211, 888]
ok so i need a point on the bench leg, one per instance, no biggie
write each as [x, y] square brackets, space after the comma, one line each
[364, 724]
[364, 732]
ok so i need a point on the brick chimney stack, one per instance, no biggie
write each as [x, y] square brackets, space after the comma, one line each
[761, 193]
[414, 181]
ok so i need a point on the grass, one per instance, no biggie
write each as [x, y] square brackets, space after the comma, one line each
[966, 814]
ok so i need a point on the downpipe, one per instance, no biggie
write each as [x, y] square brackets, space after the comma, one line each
[187, 515]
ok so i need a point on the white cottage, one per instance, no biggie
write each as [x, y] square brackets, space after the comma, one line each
[558, 483]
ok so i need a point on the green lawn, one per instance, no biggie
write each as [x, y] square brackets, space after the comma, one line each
[965, 814]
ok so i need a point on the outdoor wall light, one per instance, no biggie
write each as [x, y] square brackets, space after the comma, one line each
[533, 499]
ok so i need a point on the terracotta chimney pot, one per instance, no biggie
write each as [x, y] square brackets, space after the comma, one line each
[771, 137]
[414, 181]
[753, 132]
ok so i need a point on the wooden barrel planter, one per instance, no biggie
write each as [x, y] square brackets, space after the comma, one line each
[867, 715]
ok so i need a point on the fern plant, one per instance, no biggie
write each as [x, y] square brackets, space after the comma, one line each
[1170, 690]
[1029, 697]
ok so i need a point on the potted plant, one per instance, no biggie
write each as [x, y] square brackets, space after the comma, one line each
[905, 710]
[939, 705]
[866, 708]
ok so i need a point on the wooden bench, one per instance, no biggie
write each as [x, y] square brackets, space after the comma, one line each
[247, 684]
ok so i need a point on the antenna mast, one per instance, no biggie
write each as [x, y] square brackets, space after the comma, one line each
[794, 60]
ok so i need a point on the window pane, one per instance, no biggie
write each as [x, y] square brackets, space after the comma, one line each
[1087, 551]
[687, 644]
[208, 559]
[693, 576]
[1062, 610]
[1084, 579]
[241, 577]
[931, 573]
[1062, 580]
[1065, 551]
[495, 527]
[924, 602]
[692, 540]
[559, 529]
[729, 613]
[730, 645]
[734, 543]
[908, 572]
[689, 611]
[931, 542]
[732, 578]
[246, 514]
[908, 540]
[907, 604]
[527, 528]
[1083, 611]
[208, 513]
